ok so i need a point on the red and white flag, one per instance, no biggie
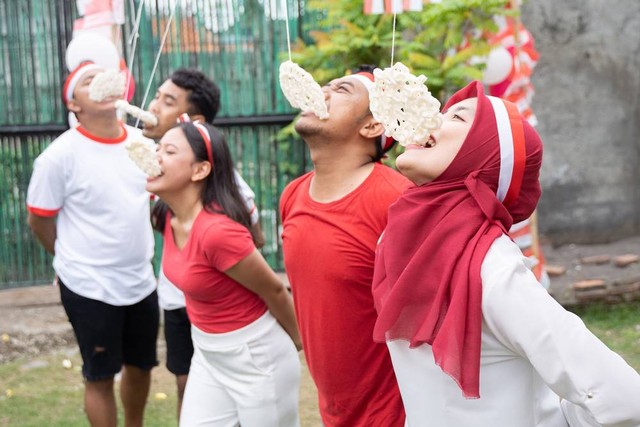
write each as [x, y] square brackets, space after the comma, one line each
[99, 13]
[377, 7]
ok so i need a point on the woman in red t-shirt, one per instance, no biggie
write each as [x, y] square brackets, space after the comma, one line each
[245, 368]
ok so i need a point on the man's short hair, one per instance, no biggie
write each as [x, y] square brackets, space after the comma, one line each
[204, 94]
[364, 68]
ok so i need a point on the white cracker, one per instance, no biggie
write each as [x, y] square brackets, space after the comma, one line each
[403, 104]
[301, 90]
[106, 83]
[136, 112]
[143, 153]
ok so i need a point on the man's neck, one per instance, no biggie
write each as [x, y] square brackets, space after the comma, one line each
[339, 170]
[101, 126]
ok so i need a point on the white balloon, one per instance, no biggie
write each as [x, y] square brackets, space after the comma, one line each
[92, 47]
[499, 65]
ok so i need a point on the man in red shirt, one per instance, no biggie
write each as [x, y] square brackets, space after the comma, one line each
[332, 219]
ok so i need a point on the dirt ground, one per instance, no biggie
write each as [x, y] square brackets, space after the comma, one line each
[32, 321]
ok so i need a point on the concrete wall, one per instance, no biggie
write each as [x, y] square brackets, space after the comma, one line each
[588, 104]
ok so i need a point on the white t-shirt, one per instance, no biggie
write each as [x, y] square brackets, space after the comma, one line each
[533, 351]
[104, 242]
[172, 298]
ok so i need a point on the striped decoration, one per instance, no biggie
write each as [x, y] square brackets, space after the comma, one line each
[377, 7]
[517, 87]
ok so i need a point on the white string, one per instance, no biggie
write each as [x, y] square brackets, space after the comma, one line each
[133, 39]
[286, 21]
[155, 65]
[132, 6]
[136, 24]
[393, 38]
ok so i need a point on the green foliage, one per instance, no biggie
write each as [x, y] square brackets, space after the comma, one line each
[427, 42]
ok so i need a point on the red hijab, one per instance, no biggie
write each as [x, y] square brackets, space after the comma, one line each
[427, 286]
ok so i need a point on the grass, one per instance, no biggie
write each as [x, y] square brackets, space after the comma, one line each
[42, 392]
[618, 326]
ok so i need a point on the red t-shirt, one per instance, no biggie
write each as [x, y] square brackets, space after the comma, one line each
[215, 302]
[329, 251]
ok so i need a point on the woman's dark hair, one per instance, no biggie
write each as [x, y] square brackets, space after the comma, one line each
[220, 193]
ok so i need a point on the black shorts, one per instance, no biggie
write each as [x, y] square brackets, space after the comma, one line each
[177, 334]
[110, 336]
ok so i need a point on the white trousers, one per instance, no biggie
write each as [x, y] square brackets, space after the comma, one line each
[248, 377]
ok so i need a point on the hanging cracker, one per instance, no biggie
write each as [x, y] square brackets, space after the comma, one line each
[403, 104]
[143, 153]
[301, 90]
[136, 112]
[105, 84]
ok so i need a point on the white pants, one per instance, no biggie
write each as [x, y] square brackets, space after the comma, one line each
[247, 377]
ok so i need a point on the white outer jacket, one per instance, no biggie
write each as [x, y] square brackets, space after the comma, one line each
[533, 351]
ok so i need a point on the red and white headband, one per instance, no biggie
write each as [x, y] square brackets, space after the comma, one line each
[512, 149]
[204, 132]
[72, 79]
[365, 78]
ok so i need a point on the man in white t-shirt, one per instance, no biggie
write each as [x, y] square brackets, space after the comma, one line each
[88, 206]
[191, 92]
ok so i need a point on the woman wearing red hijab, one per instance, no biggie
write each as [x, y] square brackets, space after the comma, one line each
[474, 339]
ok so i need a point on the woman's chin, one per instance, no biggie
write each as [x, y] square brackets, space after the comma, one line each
[152, 185]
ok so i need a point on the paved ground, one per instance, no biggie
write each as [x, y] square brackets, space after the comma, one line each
[32, 321]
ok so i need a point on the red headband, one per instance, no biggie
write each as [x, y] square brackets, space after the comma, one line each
[207, 139]
[184, 118]
[73, 78]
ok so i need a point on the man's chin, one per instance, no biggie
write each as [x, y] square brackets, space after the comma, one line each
[306, 125]
[150, 133]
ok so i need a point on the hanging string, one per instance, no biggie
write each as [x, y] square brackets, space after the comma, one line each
[286, 23]
[393, 38]
[133, 39]
[136, 24]
[132, 6]
[155, 65]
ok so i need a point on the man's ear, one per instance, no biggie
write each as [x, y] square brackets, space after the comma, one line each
[73, 106]
[371, 129]
[200, 171]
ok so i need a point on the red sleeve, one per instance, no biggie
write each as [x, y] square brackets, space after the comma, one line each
[284, 199]
[288, 194]
[226, 243]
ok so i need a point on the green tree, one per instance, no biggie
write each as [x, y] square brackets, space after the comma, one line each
[438, 42]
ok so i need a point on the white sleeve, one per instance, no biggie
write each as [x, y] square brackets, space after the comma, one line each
[248, 196]
[46, 192]
[169, 296]
[597, 383]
